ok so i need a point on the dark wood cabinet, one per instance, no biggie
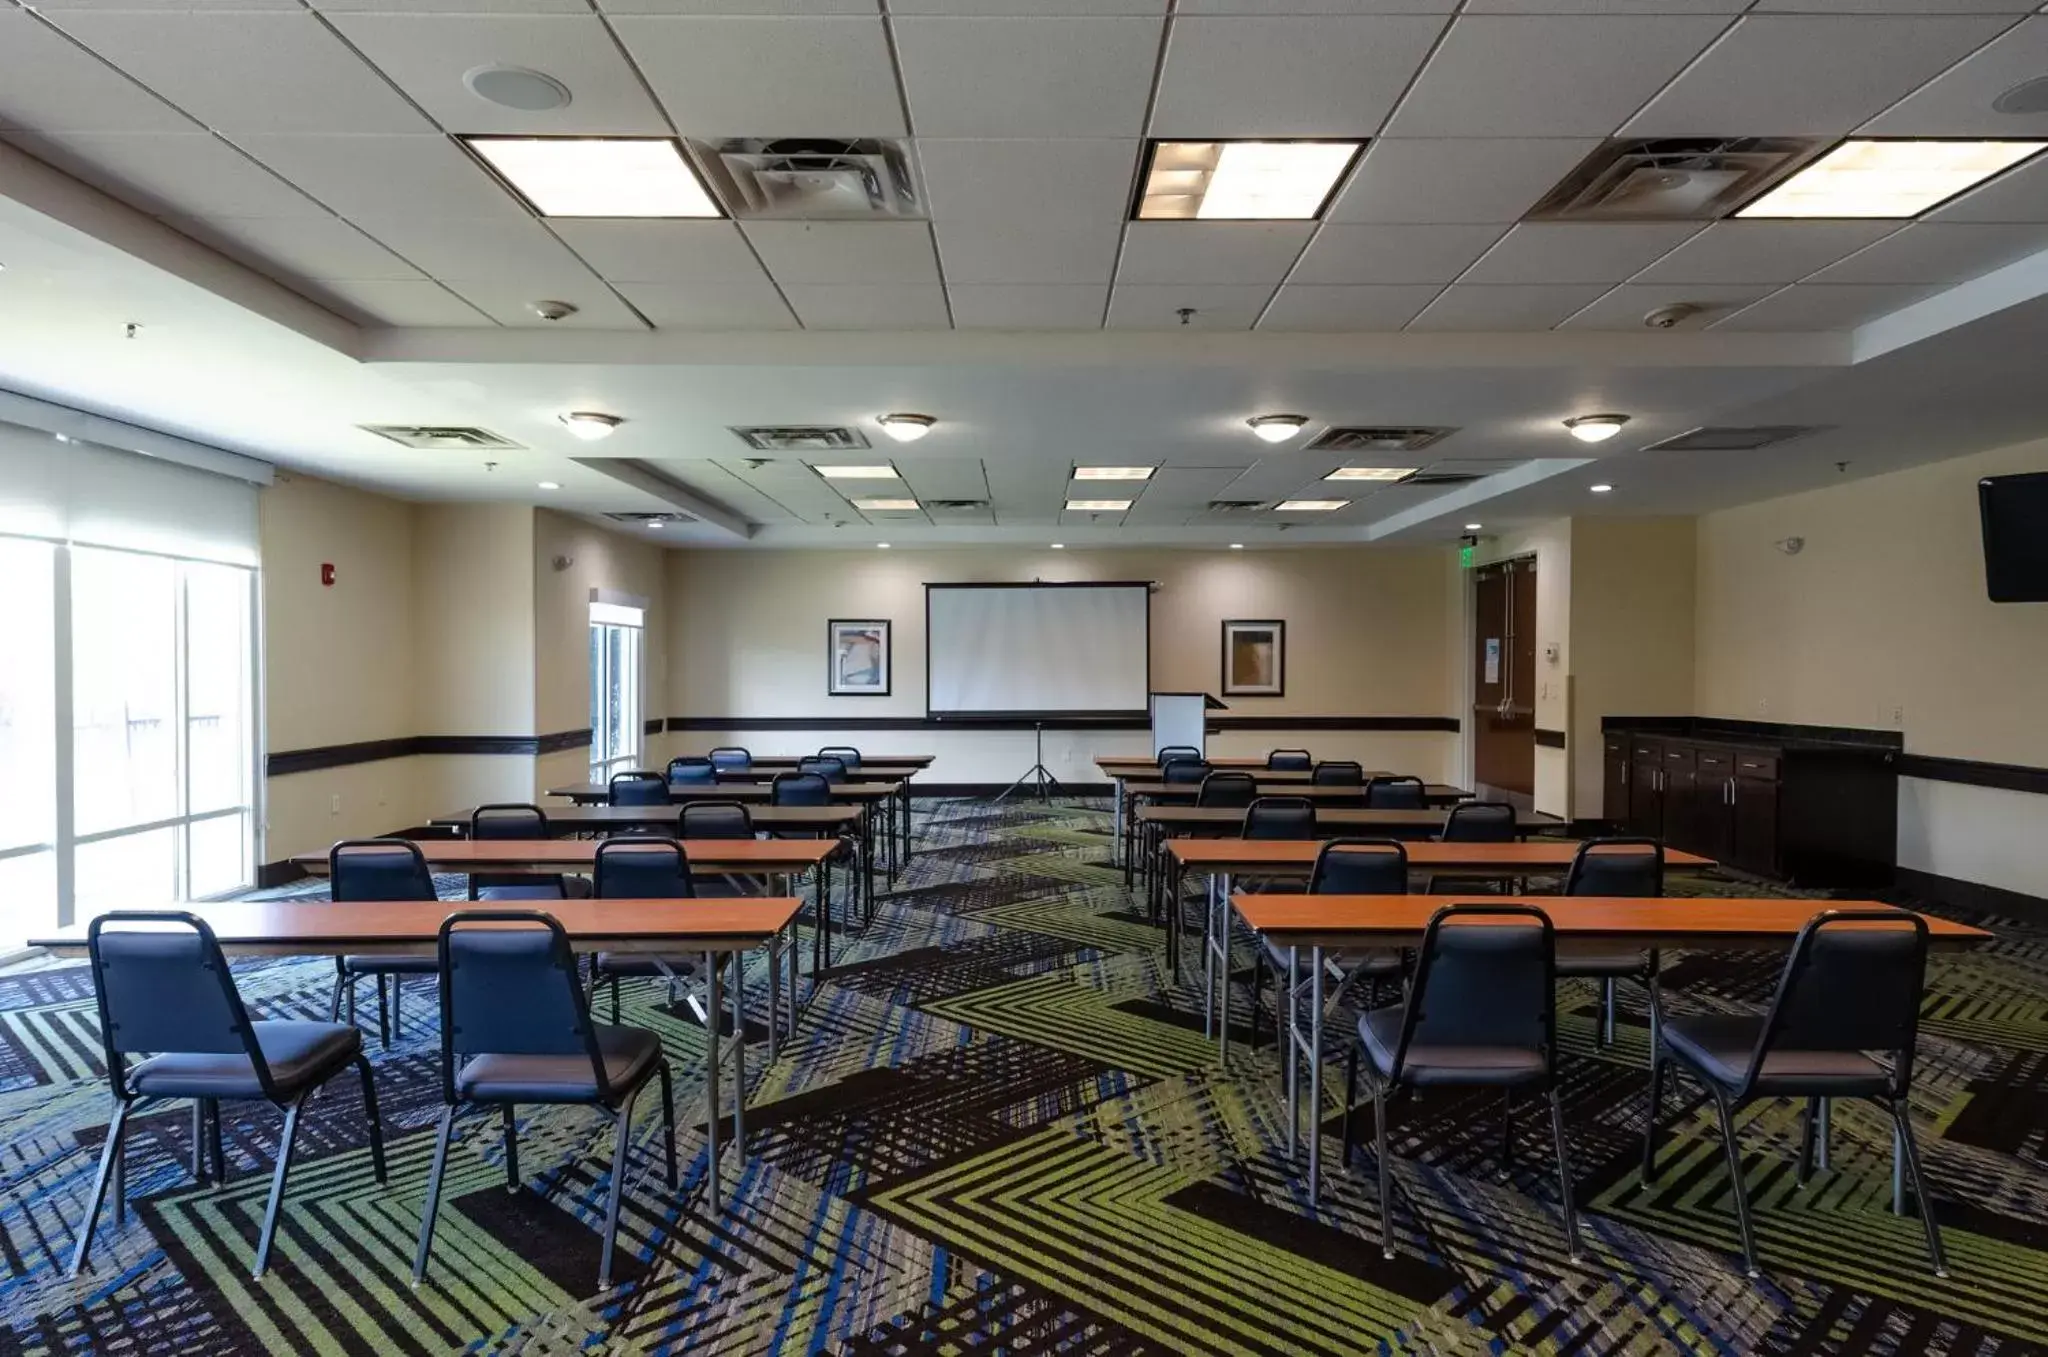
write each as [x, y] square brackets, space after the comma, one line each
[1614, 778]
[1646, 787]
[1753, 824]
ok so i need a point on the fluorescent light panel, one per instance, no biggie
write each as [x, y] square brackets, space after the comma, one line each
[1243, 180]
[1889, 179]
[1309, 506]
[1371, 473]
[885, 505]
[1113, 473]
[598, 176]
[855, 473]
[1097, 506]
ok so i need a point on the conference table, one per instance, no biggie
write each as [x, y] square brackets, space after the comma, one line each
[719, 929]
[1320, 923]
[866, 795]
[1122, 769]
[870, 770]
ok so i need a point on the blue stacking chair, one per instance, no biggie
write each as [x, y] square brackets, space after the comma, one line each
[831, 769]
[1342, 867]
[168, 991]
[637, 789]
[1178, 751]
[800, 789]
[516, 1028]
[1179, 772]
[1290, 761]
[846, 754]
[1338, 773]
[692, 771]
[366, 870]
[731, 759]
[1229, 789]
[642, 869]
[716, 820]
[517, 820]
[1620, 866]
[1395, 793]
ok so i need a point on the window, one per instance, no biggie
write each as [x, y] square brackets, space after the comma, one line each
[616, 631]
[28, 745]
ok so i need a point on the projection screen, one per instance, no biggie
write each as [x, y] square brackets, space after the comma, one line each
[1037, 649]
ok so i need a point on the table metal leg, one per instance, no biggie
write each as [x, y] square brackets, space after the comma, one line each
[1827, 1106]
[1222, 951]
[1899, 1171]
[1315, 1078]
[1288, 1037]
[712, 1076]
[1116, 825]
[774, 995]
[739, 1057]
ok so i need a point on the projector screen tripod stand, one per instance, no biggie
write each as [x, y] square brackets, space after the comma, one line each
[1038, 779]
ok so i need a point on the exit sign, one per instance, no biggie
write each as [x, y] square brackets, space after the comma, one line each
[1465, 556]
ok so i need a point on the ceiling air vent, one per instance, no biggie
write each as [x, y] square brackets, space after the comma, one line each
[1236, 506]
[956, 506]
[647, 518]
[1734, 439]
[1442, 478]
[812, 177]
[800, 438]
[1372, 439]
[1670, 178]
[440, 437]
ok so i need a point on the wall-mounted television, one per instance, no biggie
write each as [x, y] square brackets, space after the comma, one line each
[2015, 514]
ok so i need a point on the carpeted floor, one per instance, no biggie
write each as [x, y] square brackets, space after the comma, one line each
[999, 1130]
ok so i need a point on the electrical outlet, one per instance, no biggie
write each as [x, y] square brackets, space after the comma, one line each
[1898, 716]
[1763, 706]
[334, 807]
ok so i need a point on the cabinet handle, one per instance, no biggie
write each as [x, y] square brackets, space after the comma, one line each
[1624, 775]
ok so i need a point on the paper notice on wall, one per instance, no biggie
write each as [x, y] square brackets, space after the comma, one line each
[1493, 659]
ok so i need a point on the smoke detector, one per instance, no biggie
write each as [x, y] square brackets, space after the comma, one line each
[1672, 316]
[813, 177]
[548, 310]
[517, 87]
[1670, 178]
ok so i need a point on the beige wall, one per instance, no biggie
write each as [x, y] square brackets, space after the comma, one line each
[1365, 636]
[1881, 621]
[1631, 635]
[473, 599]
[597, 560]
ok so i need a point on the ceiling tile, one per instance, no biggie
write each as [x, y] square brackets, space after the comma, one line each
[386, 177]
[1028, 183]
[1313, 6]
[931, 478]
[1288, 77]
[844, 252]
[710, 306]
[49, 84]
[401, 303]
[426, 55]
[1606, 6]
[1957, 103]
[511, 303]
[1807, 75]
[174, 172]
[1157, 306]
[830, 76]
[1040, 306]
[869, 306]
[755, 7]
[1576, 252]
[270, 73]
[1538, 306]
[1500, 75]
[1897, 6]
[1027, 77]
[663, 251]
[1456, 181]
[1762, 251]
[1211, 251]
[1030, 8]
[449, 6]
[1625, 306]
[508, 250]
[1343, 253]
[1359, 308]
[1822, 306]
[984, 252]
[316, 247]
[1938, 252]
[2020, 194]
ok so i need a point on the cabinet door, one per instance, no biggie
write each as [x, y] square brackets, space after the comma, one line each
[1713, 803]
[1681, 798]
[1614, 781]
[1645, 794]
[1755, 847]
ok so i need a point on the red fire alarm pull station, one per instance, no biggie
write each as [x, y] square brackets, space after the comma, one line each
[327, 574]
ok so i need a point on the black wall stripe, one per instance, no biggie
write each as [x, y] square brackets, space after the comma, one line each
[1550, 739]
[2012, 777]
[829, 723]
[372, 751]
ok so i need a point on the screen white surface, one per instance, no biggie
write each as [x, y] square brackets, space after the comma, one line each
[1029, 648]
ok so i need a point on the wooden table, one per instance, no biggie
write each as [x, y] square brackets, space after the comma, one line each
[592, 819]
[792, 760]
[1316, 923]
[897, 774]
[867, 795]
[1121, 770]
[720, 929]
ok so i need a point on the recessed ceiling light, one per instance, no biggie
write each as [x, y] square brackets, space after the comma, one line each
[551, 485]
[598, 176]
[855, 473]
[1309, 506]
[1059, 546]
[1113, 473]
[881, 546]
[1277, 428]
[885, 505]
[906, 428]
[1370, 473]
[656, 524]
[1474, 527]
[1599, 489]
[1889, 178]
[589, 425]
[517, 87]
[1097, 506]
[1243, 180]
[1237, 546]
[1595, 428]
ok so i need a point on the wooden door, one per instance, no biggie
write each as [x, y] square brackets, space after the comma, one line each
[1503, 678]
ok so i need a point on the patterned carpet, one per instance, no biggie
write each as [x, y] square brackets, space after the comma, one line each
[999, 1130]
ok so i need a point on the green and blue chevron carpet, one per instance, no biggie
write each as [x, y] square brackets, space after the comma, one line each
[999, 1130]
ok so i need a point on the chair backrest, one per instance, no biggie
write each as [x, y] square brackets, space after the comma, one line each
[511, 991]
[1852, 983]
[1178, 751]
[166, 990]
[799, 789]
[832, 770]
[692, 771]
[1338, 773]
[1290, 760]
[1183, 771]
[846, 754]
[1394, 793]
[1228, 789]
[716, 820]
[1280, 817]
[508, 820]
[1360, 867]
[1480, 822]
[641, 869]
[638, 789]
[1484, 976]
[378, 869]
[731, 758]
[1616, 867]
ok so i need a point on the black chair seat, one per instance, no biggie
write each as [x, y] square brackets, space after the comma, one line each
[1494, 1066]
[1719, 1046]
[571, 888]
[630, 1056]
[1603, 963]
[642, 963]
[300, 1055]
[390, 965]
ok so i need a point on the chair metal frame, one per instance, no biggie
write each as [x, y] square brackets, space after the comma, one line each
[633, 779]
[349, 969]
[1647, 972]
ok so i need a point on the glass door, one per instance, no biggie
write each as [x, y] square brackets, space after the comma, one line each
[616, 632]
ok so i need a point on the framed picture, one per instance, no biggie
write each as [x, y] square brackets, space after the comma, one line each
[857, 658]
[1254, 659]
